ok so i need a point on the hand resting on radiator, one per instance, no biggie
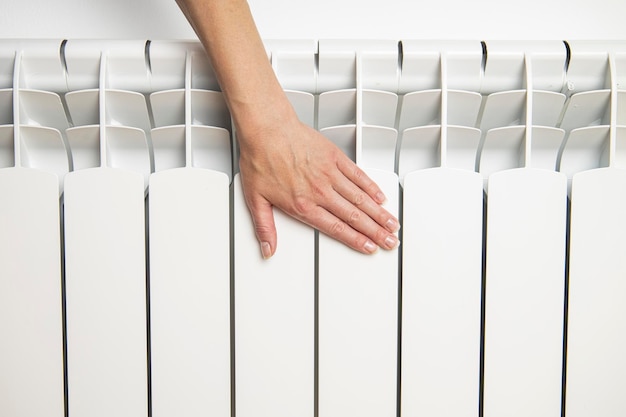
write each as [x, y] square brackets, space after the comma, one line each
[293, 167]
[284, 163]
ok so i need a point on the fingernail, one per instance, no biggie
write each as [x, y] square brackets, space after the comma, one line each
[370, 247]
[266, 250]
[380, 197]
[391, 242]
[392, 225]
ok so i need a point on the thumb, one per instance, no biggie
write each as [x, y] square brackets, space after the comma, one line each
[264, 226]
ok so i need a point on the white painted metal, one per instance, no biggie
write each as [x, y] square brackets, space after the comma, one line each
[42, 108]
[379, 108]
[127, 148]
[503, 108]
[503, 148]
[344, 137]
[44, 148]
[419, 149]
[167, 66]
[547, 108]
[525, 280]
[275, 299]
[7, 155]
[189, 209]
[463, 108]
[294, 62]
[584, 149]
[190, 292]
[462, 145]
[169, 147]
[209, 108]
[379, 147]
[441, 271]
[274, 313]
[168, 107]
[6, 106]
[545, 146]
[84, 142]
[441, 292]
[83, 107]
[424, 108]
[587, 108]
[211, 149]
[31, 347]
[127, 108]
[358, 294]
[525, 273]
[106, 292]
[106, 284]
[304, 106]
[274, 318]
[420, 108]
[358, 311]
[336, 108]
[596, 319]
[506, 64]
[421, 64]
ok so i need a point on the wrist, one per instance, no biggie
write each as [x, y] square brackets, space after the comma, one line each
[256, 117]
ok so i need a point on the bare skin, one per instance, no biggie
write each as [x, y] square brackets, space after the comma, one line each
[284, 163]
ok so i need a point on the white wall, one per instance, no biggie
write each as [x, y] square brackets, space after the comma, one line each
[394, 19]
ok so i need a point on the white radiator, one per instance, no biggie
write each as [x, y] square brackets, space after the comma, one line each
[131, 283]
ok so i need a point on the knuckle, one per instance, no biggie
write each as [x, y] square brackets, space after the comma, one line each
[301, 206]
[359, 198]
[358, 173]
[262, 230]
[354, 217]
[337, 228]
[360, 242]
[318, 191]
[381, 235]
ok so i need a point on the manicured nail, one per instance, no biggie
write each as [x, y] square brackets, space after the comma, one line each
[266, 250]
[392, 225]
[370, 247]
[391, 242]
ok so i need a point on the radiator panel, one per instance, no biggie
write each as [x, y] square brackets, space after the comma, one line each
[441, 289]
[105, 266]
[596, 338]
[31, 322]
[274, 318]
[525, 285]
[189, 292]
[358, 312]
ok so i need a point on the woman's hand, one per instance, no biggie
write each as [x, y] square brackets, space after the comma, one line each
[294, 168]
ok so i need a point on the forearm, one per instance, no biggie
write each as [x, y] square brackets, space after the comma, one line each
[229, 35]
